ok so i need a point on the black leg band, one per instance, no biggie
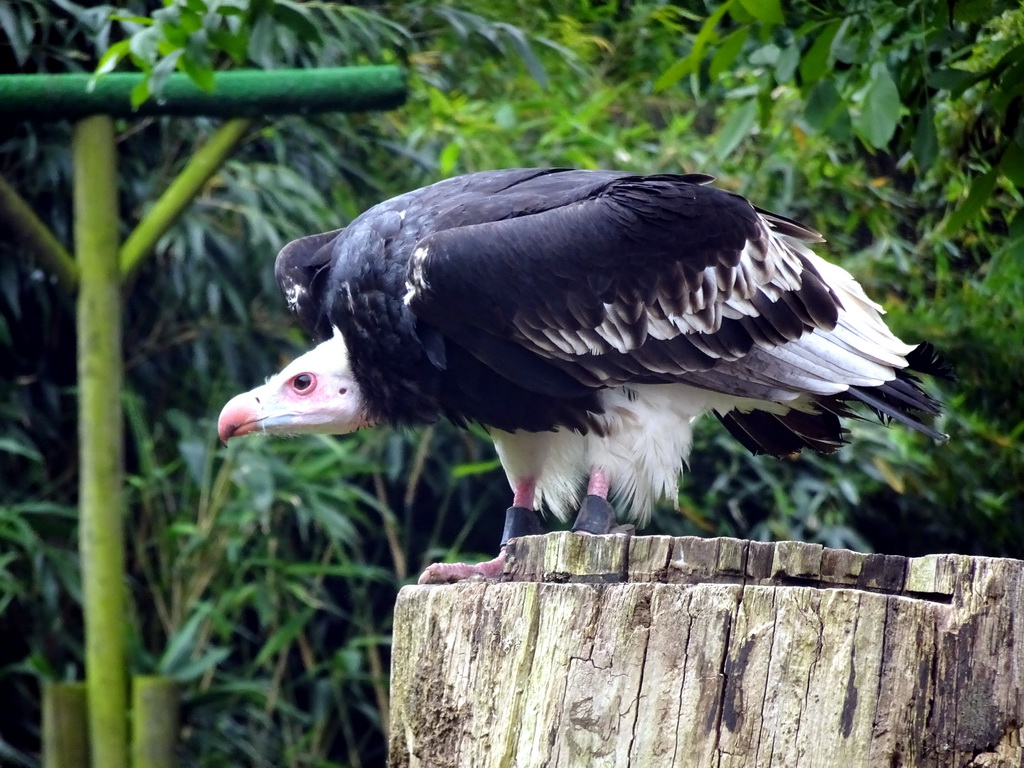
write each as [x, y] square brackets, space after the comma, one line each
[520, 521]
[595, 516]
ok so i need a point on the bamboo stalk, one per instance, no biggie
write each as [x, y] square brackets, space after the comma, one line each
[65, 726]
[44, 245]
[101, 500]
[182, 191]
[155, 722]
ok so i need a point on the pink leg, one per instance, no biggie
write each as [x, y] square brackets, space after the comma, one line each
[598, 484]
[446, 573]
[525, 493]
[596, 515]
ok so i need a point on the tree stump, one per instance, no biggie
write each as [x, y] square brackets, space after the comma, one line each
[658, 651]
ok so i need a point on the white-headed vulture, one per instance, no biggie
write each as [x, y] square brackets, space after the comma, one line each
[585, 318]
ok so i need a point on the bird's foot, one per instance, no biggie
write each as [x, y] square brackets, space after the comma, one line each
[448, 573]
[519, 521]
[596, 516]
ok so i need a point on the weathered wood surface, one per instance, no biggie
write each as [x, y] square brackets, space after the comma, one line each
[657, 651]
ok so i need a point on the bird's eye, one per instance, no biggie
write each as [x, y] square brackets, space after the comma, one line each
[302, 382]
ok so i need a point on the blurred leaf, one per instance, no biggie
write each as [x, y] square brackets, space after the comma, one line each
[283, 637]
[139, 94]
[18, 41]
[196, 668]
[824, 105]
[297, 18]
[11, 445]
[785, 66]
[736, 129]
[475, 468]
[956, 81]
[1012, 163]
[981, 190]
[727, 52]
[143, 44]
[879, 111]
[182, 645]
[766, 55]
[523, 48]
[765, 11]
[163, 70]
[447, 160]
[689, 63]
[816, 63]
[203, 77]
[926, 141]
[108, 61]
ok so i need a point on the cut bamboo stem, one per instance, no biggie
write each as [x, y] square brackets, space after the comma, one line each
[65, 726]
[101, 499]
[155, 722]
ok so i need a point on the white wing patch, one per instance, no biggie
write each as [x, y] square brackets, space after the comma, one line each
[770, 265]
[416, 281]
[293, 294]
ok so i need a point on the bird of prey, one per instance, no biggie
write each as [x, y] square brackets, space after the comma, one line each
[585, 319]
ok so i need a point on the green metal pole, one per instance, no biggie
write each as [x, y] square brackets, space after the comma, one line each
[239, 93]
[101, 500]
[181, 192]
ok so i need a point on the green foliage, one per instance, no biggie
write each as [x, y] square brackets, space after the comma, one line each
[263, 574]
[883, 75]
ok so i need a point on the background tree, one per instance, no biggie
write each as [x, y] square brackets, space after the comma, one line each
[263, 575]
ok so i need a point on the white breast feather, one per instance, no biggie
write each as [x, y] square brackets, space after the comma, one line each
[643, 453]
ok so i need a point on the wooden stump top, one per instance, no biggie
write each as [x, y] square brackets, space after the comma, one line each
[565, 558]
[659, 651]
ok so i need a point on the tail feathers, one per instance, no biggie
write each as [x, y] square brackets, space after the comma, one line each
[927, 360]
[901, 400]
[784, 434]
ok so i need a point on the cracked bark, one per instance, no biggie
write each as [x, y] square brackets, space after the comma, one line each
[653, 651]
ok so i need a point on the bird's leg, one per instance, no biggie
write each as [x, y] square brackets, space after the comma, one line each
[596, 514]
[520, 520]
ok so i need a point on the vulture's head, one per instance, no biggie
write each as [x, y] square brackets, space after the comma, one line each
[315, 393]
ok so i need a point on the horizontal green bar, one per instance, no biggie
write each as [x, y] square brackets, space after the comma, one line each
[239, 93]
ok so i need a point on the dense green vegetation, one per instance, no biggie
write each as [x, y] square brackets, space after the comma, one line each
[263, 574]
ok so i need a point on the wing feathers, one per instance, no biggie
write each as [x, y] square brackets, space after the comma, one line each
[609, 279]
[640, 262]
